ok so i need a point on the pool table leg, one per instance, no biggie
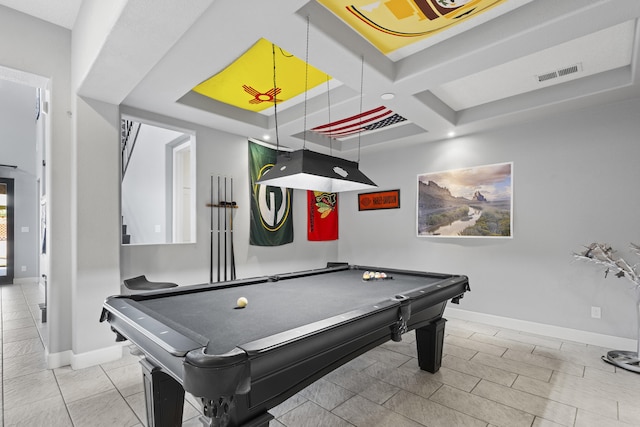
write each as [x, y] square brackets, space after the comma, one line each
[164, 397]
[429, 340]
[232, 412]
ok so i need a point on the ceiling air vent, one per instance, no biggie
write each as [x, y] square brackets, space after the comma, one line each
[559, 73]
[568, 70]
[548, 76]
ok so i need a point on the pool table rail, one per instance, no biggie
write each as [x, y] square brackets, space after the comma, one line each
[255, 376]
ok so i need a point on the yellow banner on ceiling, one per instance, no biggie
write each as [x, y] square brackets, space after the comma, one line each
[248, 82]
[392, 24]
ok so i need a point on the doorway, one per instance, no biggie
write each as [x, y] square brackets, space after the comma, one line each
[158, 178]
[6, 230]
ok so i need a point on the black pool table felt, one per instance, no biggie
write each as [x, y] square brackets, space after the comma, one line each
[273, 307]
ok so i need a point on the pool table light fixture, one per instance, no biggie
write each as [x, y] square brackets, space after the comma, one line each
[309, 170]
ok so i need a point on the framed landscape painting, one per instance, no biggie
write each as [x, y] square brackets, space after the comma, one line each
[471, 202]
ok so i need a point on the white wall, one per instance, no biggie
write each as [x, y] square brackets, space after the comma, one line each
[96, 237]
[144, 187]
[18, 148]
[95, 201]
[94, 24]
[45, 50]
[575, 181]
[82, 187]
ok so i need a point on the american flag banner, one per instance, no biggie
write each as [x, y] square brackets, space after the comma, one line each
[373, 119]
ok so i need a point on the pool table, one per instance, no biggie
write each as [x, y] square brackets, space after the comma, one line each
[296, 327]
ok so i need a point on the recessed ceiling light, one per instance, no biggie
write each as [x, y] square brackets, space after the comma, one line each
[387, 96]
[451, 134]
[266, 137]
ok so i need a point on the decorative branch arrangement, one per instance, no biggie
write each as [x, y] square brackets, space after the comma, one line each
[604, 255]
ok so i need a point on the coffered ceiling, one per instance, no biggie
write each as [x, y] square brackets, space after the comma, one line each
[503, 61]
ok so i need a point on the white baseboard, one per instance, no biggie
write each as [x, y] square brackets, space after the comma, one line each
[96, 357]
[109, 354]
[57, 360]
[83, 360]
[567, 334]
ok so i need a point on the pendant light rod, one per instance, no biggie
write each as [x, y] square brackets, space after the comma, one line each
[361, 92]
[306, 87]
[329, 114]
[307, 170]
[275, 101]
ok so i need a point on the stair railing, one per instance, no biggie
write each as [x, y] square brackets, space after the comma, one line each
[128, 137]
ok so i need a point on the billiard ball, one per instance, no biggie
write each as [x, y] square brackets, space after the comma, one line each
[242, 302]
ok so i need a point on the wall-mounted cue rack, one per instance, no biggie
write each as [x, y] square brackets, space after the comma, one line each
[224, 205]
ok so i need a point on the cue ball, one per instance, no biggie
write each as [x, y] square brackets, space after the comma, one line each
[242, 302]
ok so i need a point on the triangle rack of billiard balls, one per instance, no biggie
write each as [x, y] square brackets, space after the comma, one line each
[375, 275]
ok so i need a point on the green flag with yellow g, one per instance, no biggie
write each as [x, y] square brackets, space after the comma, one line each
[271, 222]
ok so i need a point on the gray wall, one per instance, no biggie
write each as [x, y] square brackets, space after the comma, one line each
[44, 50]
[144, 187]
[575, 181]
[18, 147]
[96, 232]
[220, 153]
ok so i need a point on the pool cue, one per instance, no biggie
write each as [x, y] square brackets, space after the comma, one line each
[225, 228]
[219, 202]
[233, 258]
[211, 231]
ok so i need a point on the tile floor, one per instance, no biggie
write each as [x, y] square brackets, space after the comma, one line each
[489, 377]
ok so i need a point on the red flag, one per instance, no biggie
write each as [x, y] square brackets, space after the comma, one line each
[322, 216]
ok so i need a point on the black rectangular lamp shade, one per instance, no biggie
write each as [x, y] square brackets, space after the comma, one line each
[308, 170]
